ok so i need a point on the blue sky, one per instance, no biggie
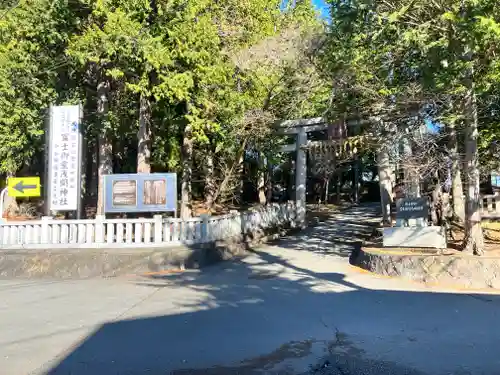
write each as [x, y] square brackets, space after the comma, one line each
[321, 5]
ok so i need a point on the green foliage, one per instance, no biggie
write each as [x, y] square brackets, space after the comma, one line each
[182, 55]
[396, 58]
[33, 36]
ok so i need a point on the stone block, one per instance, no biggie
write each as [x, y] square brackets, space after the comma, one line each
[448, 270]
[425, 237]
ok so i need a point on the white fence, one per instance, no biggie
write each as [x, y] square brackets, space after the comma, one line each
[50, 233]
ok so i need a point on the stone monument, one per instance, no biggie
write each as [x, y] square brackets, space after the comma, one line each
[412, 229]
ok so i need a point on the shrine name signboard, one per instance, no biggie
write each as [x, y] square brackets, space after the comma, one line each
[64, 158]
[148, 192]
[412, 208]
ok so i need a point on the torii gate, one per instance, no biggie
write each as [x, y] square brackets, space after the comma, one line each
[300, 128]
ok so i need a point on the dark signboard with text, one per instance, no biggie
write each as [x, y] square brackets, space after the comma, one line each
[412, 208]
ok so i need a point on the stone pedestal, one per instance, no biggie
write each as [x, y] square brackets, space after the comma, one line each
[425, 237]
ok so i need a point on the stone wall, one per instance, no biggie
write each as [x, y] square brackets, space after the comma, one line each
[89, 263]
[458, 270]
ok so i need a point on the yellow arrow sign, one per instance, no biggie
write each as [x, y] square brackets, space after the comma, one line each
[23, 186]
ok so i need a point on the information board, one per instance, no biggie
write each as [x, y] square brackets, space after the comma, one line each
[141, 192]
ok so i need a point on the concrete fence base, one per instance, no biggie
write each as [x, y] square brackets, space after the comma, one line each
[90, 263]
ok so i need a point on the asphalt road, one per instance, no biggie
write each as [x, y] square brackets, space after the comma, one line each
[294, 308]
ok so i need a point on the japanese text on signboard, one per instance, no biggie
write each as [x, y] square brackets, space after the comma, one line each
[64, 158]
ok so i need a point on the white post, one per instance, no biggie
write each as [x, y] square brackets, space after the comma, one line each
[301, 177]
[158, 228]
[204, 228]
[45, 235]
[2, 198]
[99, 228]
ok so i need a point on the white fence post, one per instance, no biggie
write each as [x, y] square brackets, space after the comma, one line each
[99, 228]
[204, 228]
[158, 225]
[45, 235]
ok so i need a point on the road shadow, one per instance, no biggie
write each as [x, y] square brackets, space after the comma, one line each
[269, 315]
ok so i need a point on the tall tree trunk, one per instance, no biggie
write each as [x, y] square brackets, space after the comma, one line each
[10, 203]
[240, 171]
[105, 147]
[91, 177]
[90, 143]
[144, 136]
[261, 179]
[327, 187]
[209, 178]
[269, 182]
[187, 172]
[338, 185]
[291, 179]
[412, 183]
[94, 170]
[355, 182]
[474, 239]
[456, 175]
[385, 182]
[244, 176]
[457, 192]
[437, 203]
[235, 168]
